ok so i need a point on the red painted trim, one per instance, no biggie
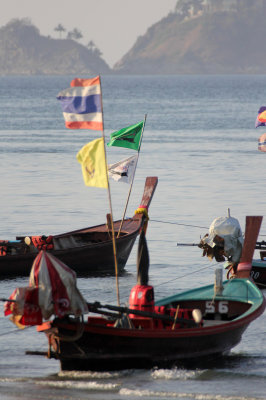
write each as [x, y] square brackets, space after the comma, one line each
[171, 334]
[244, 266]
[85, 82]
[96, 126]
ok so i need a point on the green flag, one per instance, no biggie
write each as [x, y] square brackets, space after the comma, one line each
[127, 137]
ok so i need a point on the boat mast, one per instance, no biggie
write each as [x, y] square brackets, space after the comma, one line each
[110, 205]
[129, 192]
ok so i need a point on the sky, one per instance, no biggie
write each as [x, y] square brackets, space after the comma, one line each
[113, 25]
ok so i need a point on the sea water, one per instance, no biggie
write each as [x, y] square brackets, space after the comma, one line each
[201, 142]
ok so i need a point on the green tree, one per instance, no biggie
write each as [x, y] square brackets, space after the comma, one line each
[59, 28]
[75, 34]
[91, 45]
[97, 52]
[94, 49]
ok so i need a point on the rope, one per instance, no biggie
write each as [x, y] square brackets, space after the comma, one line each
[15, 331]
[261, 284]
[182, 276]
[176, 223]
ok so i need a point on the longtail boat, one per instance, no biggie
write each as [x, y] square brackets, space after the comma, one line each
[159, 338]
[258, 272]
[86, 251]
[185, 328]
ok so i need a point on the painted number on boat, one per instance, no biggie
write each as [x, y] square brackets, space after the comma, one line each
[254, 275]
[220, 306]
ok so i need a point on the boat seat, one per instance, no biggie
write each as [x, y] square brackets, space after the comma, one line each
[65, 243]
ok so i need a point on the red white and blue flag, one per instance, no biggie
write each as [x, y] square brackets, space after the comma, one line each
[82, 104]
[262, 143]
[261, 118]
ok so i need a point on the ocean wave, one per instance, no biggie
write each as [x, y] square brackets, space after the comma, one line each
[90, 374]
[185, 396]
[7, 380]
[175, 374]
[81, 385]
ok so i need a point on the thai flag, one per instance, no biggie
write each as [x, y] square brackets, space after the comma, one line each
[261, 118]
[82, 104]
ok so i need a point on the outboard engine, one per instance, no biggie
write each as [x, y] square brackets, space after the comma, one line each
[142, 298]
[224, 239]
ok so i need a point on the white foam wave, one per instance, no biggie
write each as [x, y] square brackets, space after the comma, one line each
[13, 379]
[92, 385]
[89, 375]
[188, 396]
[175, 374]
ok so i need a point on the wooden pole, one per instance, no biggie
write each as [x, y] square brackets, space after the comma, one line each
[121, 224]
[176, 315]
[252, 229]
[111, 211]
[96, 308]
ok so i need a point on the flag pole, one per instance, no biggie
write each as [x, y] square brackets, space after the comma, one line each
[110, 205]
[129, 192]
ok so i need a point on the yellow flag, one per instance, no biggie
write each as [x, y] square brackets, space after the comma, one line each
[92, 159]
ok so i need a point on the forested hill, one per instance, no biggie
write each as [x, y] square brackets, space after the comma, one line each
[23, 51]
[198, 37]
[214, 40]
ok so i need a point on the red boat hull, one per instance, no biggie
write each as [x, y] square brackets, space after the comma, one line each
[104, 352]
[99, 346]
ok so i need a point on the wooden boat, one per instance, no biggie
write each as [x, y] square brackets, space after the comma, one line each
[86, 251]
[98, 344]
[185, 328]
[258, 272]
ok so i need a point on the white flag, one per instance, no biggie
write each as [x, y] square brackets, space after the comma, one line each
[123, 170]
